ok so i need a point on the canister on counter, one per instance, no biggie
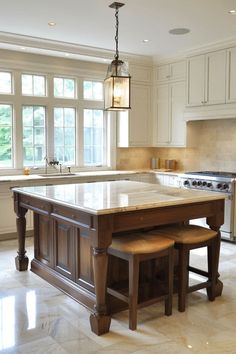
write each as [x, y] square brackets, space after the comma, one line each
[170, 164]
[155, 162]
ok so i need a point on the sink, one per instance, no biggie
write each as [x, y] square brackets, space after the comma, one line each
[57, 174]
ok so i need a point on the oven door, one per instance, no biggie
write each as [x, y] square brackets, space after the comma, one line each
[227, 228]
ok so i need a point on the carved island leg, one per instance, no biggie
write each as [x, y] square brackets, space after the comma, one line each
[214, 225]
[21, 261]
[99, 320]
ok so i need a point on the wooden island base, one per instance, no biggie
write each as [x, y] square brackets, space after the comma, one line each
[70, 245]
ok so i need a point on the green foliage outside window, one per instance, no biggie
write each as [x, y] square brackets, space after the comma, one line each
[5, 135]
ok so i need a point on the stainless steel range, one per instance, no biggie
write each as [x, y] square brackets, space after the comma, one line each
[222, 182]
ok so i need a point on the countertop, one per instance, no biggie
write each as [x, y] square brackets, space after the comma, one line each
[116, 196]
[33, 177]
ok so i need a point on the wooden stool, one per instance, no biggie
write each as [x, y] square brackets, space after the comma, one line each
[187, 238]
[134, 248]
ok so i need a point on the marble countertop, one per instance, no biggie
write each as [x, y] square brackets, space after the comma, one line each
[33, 177]
[117, 196]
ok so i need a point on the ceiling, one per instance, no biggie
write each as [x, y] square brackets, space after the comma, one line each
[92, 23]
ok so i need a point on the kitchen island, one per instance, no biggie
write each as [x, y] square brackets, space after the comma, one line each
[74, 224]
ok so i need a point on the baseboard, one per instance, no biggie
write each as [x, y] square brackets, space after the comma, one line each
[13, 235]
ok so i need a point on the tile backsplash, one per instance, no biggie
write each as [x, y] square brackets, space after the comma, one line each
[214, 148]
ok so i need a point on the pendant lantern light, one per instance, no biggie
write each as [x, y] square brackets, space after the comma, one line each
[117, 82]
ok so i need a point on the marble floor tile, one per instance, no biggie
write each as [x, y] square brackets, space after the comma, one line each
[36, 318]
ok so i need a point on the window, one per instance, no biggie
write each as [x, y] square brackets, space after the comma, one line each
[38, 123]
[33, 85]
[64, 87]
[93, 137]
[64, 135]
[5, 82]
[5, 135]
[93, 90]
[33, 135]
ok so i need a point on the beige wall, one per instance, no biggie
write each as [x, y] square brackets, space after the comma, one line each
[214, 148]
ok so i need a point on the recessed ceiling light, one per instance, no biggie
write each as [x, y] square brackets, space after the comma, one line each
[179, 31]
[51, 23]
[232, 12]
[145, 40]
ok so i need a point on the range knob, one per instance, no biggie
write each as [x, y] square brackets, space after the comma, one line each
[225, 186]
[194, 183]
[209, 184]
[186, 183]
[204, 183]
[199, 183]
[219, 185]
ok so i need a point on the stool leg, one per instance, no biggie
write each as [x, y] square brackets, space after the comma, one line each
[168, 300]
[133, 291]
[212, 270]
[183, 277]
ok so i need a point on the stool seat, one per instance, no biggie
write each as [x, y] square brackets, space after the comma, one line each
[137, 247]
[140, 243]
[187, 234]
[187, 238]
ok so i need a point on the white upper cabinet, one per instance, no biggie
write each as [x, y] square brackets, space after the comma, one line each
[172, 71]
[207, 79]
[134, 126]
[231, 75]
[169, 124]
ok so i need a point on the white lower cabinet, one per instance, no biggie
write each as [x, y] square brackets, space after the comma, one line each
[165, 179]
[7, 214]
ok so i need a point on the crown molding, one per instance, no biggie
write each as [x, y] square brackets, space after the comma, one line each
[13, 41]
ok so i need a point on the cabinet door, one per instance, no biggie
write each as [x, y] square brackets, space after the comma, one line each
[133, 127]
[172, 71]
[196, 80]
[8, 216]
[139, 134]
[231, 75]
[178, 125]
[163, 115]
[216, 77]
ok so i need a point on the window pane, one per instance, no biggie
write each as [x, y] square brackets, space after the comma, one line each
[69, 118]
[58, 87]
[39, 85]
[93, 137]
[64, 134]
[33, 118]
[58, 117]
[58, 137]
[5, 135]
[33, 85]
[5, 82]
[64, 87]
[69, 136]
[93, 90]
[97, 90]
[69, 88]
[27, 84]
[88, 89]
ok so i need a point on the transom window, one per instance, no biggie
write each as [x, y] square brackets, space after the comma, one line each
[64, 135]
[64, 87]
[93, 90]
[5, 82]
[33, 85]
[33, 135]
[5, 135]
